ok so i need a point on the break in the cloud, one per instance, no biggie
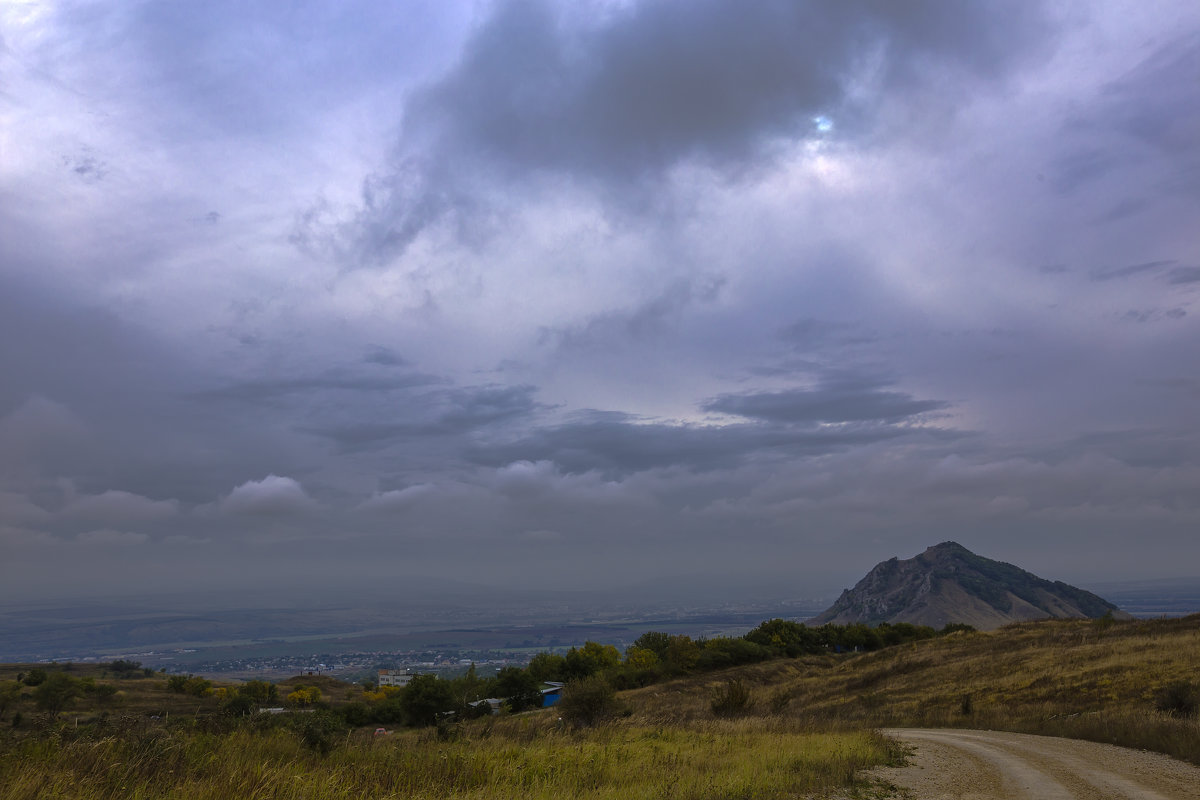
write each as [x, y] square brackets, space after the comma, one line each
[557, 293]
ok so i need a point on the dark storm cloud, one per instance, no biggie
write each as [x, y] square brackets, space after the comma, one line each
[811, 333]
[831, 403]
[1076, 169]
[641, 322]
[621, 100]
[1184, 275]
[1156, 101]
[1153, 314]
[617, 446]
[1144, 123]
[1112, 273]
[256, 391]
[95, 401]
[384, 357]
[447, 413]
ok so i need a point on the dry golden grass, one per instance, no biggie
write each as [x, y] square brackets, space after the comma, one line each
[1090, 679]
[528, 757]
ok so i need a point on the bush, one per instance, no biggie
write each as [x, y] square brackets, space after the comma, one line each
[1179, 698]
[304, 696]
[587, 701]
[56, 692]
[731, 700]
[126, 669]
[35, 677]
[357, 715]
[318, 730]
[239, 705]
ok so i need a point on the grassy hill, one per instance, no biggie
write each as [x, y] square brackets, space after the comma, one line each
[1094, 679]
[781, 728]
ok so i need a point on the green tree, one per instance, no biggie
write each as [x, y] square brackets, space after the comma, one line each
[259, 691]
[547, 667]
[519, 688]
[56, 692]
[593, 657]
[34, 677]
[656, 642]
[468, 687]
[786, 637]
[682, 653]
[126, 669]
[641, 658]
[305, 696]
[424, 699]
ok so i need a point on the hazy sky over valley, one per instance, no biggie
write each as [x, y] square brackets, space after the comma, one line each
[592, 294]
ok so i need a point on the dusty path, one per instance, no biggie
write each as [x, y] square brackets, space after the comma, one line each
[989, 765]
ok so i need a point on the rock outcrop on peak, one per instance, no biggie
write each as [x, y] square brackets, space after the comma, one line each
[949, 584]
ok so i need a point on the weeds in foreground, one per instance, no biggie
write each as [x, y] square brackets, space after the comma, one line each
[517, 758]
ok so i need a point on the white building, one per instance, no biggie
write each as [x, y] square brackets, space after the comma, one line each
[394, 677]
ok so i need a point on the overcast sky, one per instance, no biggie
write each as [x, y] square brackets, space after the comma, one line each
[595, 293]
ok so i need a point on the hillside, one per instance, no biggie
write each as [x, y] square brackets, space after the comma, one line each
[949, 584]
[1126, 683]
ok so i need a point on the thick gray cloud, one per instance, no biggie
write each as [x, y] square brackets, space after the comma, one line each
[766, 291]
[839, 400]
[620, 100]
[621, 446]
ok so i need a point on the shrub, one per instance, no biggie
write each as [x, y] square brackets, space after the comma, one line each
[1180, 698]
[54, 693]
[305, 696]
[318, 730]
[239, 705]
[733, 699]
[357, 714]
[587, 701]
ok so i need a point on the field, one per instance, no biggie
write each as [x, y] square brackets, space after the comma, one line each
[517, 759]
[800, 727]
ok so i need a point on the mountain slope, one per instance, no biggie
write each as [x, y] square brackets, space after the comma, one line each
[948, 583]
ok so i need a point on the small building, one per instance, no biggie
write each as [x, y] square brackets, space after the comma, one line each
[394, 677]
[552, 693]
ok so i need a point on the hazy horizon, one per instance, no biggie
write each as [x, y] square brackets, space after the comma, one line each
[605, 296]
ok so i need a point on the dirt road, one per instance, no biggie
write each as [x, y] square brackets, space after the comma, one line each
[988, 765]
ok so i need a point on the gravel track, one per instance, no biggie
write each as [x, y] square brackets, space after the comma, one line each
[989, 765]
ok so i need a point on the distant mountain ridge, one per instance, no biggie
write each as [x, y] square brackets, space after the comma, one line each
[949, 584]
